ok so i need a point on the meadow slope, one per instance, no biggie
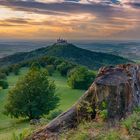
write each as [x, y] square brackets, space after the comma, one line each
[9, 126]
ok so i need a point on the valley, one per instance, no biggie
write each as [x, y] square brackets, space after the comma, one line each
[60, 60]
[11, 47]
[10, 126]
[127, 49]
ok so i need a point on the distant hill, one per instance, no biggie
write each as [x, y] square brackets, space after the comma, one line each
[67, 51]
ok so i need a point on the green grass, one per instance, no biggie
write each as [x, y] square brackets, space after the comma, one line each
[67, 95]
[126, 129]
[8, 125]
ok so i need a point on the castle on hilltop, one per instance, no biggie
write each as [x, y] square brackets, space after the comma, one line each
[61, 41]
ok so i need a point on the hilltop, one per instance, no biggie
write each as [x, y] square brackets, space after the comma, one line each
[67, 51]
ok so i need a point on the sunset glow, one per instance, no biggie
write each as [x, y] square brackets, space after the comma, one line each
[72, 19]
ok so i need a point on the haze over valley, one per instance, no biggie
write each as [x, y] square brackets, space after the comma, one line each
[127, 49]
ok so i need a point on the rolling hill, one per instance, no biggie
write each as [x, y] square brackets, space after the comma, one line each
[67, 51]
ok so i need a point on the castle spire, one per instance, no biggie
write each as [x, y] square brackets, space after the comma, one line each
[61, 41]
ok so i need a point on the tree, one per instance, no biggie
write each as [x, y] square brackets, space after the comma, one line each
[35, 65]
[5, 70]
[65, 67]
[58, 62]
[32, 97]
[3, 84]
[80, 78]
[15, 69]
[50, 69]
[2, 75]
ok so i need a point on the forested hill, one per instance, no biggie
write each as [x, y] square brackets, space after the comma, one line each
[70, 52]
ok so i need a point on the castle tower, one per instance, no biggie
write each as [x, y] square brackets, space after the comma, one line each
[61, 41]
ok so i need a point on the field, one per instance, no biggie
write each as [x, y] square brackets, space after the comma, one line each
[11, 47]
[9, 126]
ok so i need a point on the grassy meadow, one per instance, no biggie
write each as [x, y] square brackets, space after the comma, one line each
[9, 126]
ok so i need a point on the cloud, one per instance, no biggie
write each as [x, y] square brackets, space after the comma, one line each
[65, 7]
[73, 18]
[135, 5]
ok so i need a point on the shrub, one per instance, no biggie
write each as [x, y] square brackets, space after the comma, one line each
[50, 69]
[15, 69]
[3, 84]
[2, 75]
[112, 135]
[65, 67]
[21, 136]
[5, 71]
[58, 62]
[103, 114]
[132, 121]
[80, 78]
[35, 65]
[50, 60]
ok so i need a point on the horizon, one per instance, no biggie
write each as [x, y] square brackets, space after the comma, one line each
[69, 40]
[71, 19]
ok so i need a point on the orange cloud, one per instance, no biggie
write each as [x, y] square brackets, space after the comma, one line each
[89, 20]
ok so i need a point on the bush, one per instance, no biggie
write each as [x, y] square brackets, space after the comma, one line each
[5, 71]
[58, 62]
[21, 136]
[35, 65]
[32, 97]
[132, 121]
[50, 60]
[80, 78]
[65, 67]
[15, 69]
[2, 75]
[103, 114]
[112, 135]
[3, 84]
[50, 69]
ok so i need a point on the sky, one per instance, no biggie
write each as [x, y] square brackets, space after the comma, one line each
[70, 19]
